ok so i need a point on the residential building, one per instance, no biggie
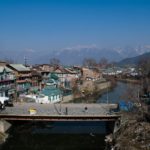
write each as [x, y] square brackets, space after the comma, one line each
[66, 76]
[91, 74]
[113, 71]
[36, 79]
[23, 77]
[7, 82]
[45, 72]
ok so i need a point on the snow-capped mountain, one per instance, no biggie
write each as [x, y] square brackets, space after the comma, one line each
[75, 55]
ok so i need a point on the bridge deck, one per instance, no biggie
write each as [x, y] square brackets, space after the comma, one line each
[52, 112]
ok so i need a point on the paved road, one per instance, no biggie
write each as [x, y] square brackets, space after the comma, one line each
[59, 109]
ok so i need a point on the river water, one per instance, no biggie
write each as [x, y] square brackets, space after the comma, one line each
[56, 136]
[115, 95]
[63, 136]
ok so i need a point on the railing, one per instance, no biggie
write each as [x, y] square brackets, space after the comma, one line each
[25, 75]
[7, 87]
[24, 81]
[6, 78]
[59, 118]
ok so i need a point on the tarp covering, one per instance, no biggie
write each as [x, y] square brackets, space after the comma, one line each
[126, 106]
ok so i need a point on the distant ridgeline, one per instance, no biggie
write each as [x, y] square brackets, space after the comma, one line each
[135, 60]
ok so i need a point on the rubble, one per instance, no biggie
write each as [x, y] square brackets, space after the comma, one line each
[132, 135]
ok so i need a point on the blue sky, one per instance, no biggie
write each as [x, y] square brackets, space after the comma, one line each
[46, 25]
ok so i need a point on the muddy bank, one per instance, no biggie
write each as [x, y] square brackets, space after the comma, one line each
[129, 81]
[3, 138]
[134, 133]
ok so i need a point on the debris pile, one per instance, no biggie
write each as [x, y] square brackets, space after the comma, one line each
[132, 135]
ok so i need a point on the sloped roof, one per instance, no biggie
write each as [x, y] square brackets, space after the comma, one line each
[49, 91]
[65, 70]
[70, 70]
[19, 67]
[6, 68]
[1, 69]
[59, 70]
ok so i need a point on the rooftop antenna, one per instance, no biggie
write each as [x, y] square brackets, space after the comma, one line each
[25, 61]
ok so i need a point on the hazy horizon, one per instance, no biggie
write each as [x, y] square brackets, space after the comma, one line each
[38, 27]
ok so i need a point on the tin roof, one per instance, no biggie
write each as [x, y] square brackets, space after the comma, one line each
[19, 67]
[6, 68]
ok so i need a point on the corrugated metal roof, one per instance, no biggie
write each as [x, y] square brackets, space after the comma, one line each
[6, 68]
[19, 67]
[1, 69]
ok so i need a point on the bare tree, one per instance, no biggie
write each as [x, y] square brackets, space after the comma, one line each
[103, 62]
[75, 89]
[54, 62]
[131, 93]
[90, 62]
[144, 66]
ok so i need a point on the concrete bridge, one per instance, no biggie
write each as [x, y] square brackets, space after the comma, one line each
[60, 112]
[58, 118]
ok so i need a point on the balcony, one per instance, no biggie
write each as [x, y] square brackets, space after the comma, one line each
[7, 78]
[25, 75]
[7, 87]
[24, 81]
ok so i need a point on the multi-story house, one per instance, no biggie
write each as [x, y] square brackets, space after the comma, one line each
[23, 77]
[45, 71]
[66, 76]
[7, 82]
[36, 81]
[91, 74]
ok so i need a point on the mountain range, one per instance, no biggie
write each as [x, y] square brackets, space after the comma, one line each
[135, 60]
[74, 55]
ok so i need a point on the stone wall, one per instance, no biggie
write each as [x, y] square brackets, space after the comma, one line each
[89, 86]
[102, 86]
[4, 126]
[95, 86]
[67, 98]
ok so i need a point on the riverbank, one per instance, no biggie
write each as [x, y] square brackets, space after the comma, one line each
[4, 127]
[96, 90]
[129, 80]
[134, 133]
[3, 137]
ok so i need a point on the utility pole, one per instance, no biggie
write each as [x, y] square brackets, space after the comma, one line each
[107, 92]
[16, 89]
[25, 61]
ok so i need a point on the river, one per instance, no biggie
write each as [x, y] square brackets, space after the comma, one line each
[62, 136]
[115, 95]
[71, 136]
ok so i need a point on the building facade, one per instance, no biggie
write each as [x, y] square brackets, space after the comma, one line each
[7, 82]
[23, 77]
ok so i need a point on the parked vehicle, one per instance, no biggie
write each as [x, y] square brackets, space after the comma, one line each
[5, 101]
